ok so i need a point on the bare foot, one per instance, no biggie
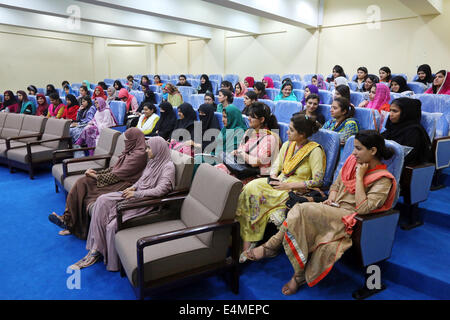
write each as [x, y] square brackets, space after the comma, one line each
[292, 286]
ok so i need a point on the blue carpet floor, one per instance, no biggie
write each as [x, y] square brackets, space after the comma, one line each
[34, 258]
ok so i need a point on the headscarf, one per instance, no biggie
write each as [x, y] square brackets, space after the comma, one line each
[52, 89]
[25, 103]
[269, 82]
[207, 86]
[320, 83]
[42, 109]
[312, 89]
[70, 89]
[12, 104]
[155, 167]
[341, 81]
[409, 132]
[243, 89]
[444, 88]
[101, 95]
[189, 117]
[113, 96]
[124, 93]
[209, 121]
[429, 76]
[250, 81]
[401, 82]
[167, 121]
[291, 97]
[104, 118]
[133, 159]
[32, 88]
[88, 84]
[382, 96]
[234, 122]
[73, 101]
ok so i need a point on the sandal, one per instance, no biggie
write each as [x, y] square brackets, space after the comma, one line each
[288, 289]
[267, 253]
[54, 218]
[64, 232]
[243, 257]
[91, 258]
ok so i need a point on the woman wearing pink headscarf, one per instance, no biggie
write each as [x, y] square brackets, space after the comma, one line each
[240, 89]
[157, 180]
[129, 99]
[103, 118]
[268, 82]
[249, 82]
[441, 83]
[379, 97]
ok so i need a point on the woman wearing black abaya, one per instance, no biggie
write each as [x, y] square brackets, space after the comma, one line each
[167, 121]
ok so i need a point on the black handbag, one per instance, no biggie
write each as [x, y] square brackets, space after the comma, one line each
[295, 198]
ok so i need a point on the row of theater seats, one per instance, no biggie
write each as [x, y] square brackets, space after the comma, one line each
[373, 237]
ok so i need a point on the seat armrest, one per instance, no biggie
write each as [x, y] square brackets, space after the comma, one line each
[49, 140]
[66, 162]
[34, 135]
[56, 152]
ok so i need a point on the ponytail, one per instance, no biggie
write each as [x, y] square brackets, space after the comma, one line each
[259, 110]
[346, 106]
[372, 138]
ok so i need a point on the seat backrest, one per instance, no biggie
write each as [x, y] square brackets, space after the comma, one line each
[277, 84]
[197, 100]
[417, 87]
[269, 103]
[395, 96]
[219, 117]
[184, 168]
[353, 86]
[330, 142]
[324, 109]
[442, 125]
[233, 78]
[285, 109]
[299, 93]
[298, 85]
[434, 102]
[284, 127]
[56, 128]
[186, 91]
[107, 141]
[118, 109]
[428, 122]
[272, 93]
[238, 102]
[325, 96]
[368, 119]
[3, 116]
[139, 95]
[394, 164]
[213, 197]
[274, 77]
[12, 125]
[120, 146]
[356, 98]
[31, 125]
[293, 77]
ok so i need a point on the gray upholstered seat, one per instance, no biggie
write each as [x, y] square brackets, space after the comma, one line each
[212, 198]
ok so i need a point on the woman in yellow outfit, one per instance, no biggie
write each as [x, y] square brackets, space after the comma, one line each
[300, 165]
[148, 119]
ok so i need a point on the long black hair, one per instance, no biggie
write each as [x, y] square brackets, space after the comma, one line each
[372, 138]
[259, 110]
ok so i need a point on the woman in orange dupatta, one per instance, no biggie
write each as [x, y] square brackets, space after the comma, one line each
[315, 235]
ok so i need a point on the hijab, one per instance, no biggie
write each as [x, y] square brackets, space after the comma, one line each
[382, 96]
[167, 121]
[320, 83]
[207, 86]
[291, 97]
[244, 89]
[113, 96]
[209, 121]
[341, 81]
[32, 88]
[104, 117]
[189, 117]
[269, 82]
[133, 159]
[409, 132]
[25, 103]
[312, 89]
[12, 103]
[429, 76]
[73, 101]
[402, 83]
[234, 122]
[250, 81]
[100, 95]
[87, 84]
[41, 108]
[444, 88]
[155, 167]
[124, 93]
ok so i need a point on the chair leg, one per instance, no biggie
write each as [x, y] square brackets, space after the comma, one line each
[235, 279]
[412, 213]
[56, 187]
[435, 184]
[31, 172]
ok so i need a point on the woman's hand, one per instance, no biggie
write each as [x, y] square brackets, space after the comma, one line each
[128, 193]
[361, 170]
[278, 185]
[91, 173]
[331, 198]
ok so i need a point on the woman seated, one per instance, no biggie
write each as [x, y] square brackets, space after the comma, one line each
[148, 119]
[268, 82]
[87, 84]
[310, 89]
[379, 98]
[103, 85]
[311, 105]
[112, 95]
[32, 90]
[103, 118]
[166, 123]
[403, 126]
[174, 96]
[441, 83]
[118, 85]
[57, 107]
[68, 90]
[240, 89]
[149, 97]
[183, 132]
[385, 74]
[71, 110]
[50, 89]
[315, 235]
[205, 85]
[99, 93]
[300, 165]
[338, 71]
[342, 91]
[145, 81]
[25, 106]
[286, 93]
[85, 114]
[369, 83]
[227, 85]
[260, 90]
[182, 81]
[259, 144]
[249, 98]
[361, 76]
[131, 103]
[317, 80]
[424, 75]
[42, 105]
[225, 99]
[127, 171]
[10, 103]
[157, 80]
[249, 82]
[209, 98]
[340, 81]
[157, 180]
[399, 85]
[342, 120]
